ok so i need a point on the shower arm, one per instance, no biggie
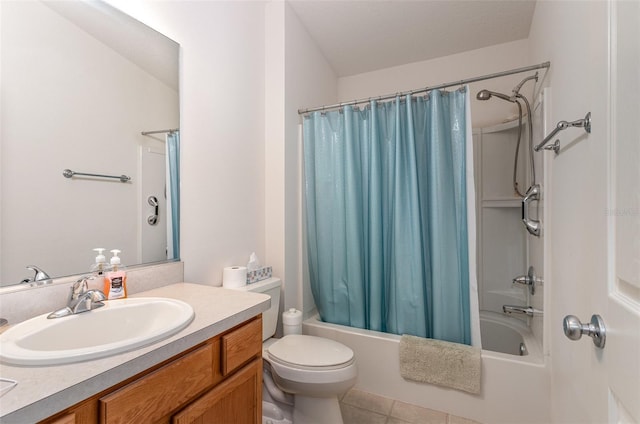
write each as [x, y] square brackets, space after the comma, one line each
[516, 90]
[563, 125]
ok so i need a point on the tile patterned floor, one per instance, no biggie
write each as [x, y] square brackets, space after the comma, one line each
[359, 407]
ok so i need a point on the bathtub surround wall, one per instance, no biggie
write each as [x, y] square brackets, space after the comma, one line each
[506, 249]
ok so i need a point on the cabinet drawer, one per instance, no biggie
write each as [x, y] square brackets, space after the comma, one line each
[163, 391]
[67, 419]
[241, 345]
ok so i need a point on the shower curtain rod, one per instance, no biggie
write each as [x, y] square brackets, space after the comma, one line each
[160, 131]
[435, 87]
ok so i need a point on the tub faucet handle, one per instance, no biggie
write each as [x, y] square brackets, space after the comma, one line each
[529, 280]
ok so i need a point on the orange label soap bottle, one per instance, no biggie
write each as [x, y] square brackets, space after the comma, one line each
[115, 280]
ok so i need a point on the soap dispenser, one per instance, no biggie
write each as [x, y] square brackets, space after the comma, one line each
[115, 282]
[99, 267]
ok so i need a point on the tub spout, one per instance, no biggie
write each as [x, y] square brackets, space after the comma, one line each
[524, 310]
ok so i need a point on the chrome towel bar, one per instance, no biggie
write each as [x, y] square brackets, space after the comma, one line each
[563, 125]
[67, 173]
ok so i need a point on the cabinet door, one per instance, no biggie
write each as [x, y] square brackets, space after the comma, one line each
[163, 391]
[237, 400]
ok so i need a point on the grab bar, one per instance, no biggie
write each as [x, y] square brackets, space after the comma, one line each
[563, 125]
[67, 173]
[532, 225]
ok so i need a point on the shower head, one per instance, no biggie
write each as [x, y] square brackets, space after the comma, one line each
[486, 95]
[483, 95]
[515, 93]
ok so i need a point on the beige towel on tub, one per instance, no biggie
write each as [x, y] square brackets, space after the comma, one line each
[438, 362]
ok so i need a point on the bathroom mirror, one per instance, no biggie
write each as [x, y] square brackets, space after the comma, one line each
[80, 82]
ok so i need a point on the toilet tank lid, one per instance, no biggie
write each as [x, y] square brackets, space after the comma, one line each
[310, 351]
[261, 286]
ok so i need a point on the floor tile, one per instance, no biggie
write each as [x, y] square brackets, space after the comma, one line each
[416, 414]
[360, 407]
[394, 420]
[355, 415]
[369, 401]
[459, 420]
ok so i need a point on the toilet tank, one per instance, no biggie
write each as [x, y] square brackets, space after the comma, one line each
[270, 286]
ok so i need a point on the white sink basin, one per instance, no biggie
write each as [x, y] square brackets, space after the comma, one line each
[119, 326]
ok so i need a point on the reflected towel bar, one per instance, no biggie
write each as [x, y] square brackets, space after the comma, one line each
[170, 131]
[563, 125]
[67, 173]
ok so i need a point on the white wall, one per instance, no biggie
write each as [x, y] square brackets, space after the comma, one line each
[574, 37]
[297, 75]
[61, 110]
[310, 81]
[222, 121]
[456, 67]
[246, 67]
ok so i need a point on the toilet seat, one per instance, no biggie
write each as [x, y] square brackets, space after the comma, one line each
[310, 352]
[309, 359]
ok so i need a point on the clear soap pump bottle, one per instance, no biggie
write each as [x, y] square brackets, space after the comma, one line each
[100, 267]
[115, 282]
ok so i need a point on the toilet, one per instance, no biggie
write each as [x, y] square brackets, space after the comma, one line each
[302, 375]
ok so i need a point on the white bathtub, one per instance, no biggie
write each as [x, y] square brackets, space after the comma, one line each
[514, 388]
[500, 333]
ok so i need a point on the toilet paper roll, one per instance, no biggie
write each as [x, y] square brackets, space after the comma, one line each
[234, 276]
[292, 322]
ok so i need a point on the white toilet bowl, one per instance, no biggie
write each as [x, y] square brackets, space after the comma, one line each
[311, 365]
[315, 370]
[303, 374]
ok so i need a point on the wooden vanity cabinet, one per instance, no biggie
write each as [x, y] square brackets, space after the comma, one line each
[218, 381]
[235, 400]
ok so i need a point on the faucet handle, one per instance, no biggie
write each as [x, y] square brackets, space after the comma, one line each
[80, 287]
[40, 277]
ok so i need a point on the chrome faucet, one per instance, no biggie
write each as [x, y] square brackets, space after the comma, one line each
[80, 300]
[524, 310]
[40, 276]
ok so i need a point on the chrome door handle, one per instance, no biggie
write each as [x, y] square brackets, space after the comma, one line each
[574, 329]
[532, 225]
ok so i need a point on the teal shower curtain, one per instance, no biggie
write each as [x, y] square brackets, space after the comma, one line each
[173, 195]
[386, 215]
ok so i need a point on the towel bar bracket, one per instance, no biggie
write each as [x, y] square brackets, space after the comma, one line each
[563, 125]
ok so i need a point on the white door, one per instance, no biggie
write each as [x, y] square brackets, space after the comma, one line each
[621, 358]
[154, 230]
[595, 212]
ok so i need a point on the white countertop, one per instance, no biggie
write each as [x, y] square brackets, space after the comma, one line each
[45, 390]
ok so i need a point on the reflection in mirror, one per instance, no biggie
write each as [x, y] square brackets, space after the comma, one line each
[80, 82]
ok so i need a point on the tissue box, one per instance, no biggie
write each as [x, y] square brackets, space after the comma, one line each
[259, 274]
